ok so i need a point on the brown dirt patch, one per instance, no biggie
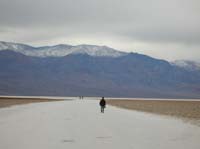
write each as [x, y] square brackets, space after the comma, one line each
[187, 110]
[6, 101]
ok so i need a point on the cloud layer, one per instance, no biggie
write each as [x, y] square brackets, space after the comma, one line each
[164, 29]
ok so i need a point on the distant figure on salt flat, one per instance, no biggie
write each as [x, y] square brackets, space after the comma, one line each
[102, 104]
[80, 97]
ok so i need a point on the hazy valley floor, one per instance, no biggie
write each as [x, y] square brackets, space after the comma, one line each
[78, 124]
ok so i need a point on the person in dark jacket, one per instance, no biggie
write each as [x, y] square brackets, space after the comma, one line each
[102, 103]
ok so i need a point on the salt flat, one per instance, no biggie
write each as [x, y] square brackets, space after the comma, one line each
[78, 124]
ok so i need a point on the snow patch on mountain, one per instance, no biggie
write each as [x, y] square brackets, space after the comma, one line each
[94, 50]
[186, 64]
[61, 50]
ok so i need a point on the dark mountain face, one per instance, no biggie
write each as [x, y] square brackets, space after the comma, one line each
[132, 75]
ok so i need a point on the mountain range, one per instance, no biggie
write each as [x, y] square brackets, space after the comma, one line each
[90, 70]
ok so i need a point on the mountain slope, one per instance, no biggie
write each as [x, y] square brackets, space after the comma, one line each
[131, 75]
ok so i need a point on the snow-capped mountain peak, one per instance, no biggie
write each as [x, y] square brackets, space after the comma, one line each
[13, 46]
[186, 64]
[61, 50]
[94, 50]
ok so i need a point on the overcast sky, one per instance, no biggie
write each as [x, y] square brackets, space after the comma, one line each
[167, 29]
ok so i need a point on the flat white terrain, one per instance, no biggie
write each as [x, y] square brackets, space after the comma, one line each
[78, 124]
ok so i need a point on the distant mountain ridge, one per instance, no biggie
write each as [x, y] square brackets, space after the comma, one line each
[186, 64]
[60, 50]
[99, 74]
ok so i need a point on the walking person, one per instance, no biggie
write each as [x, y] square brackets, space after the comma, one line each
[102, 104]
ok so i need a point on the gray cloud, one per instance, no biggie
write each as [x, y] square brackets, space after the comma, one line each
[124, 24]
